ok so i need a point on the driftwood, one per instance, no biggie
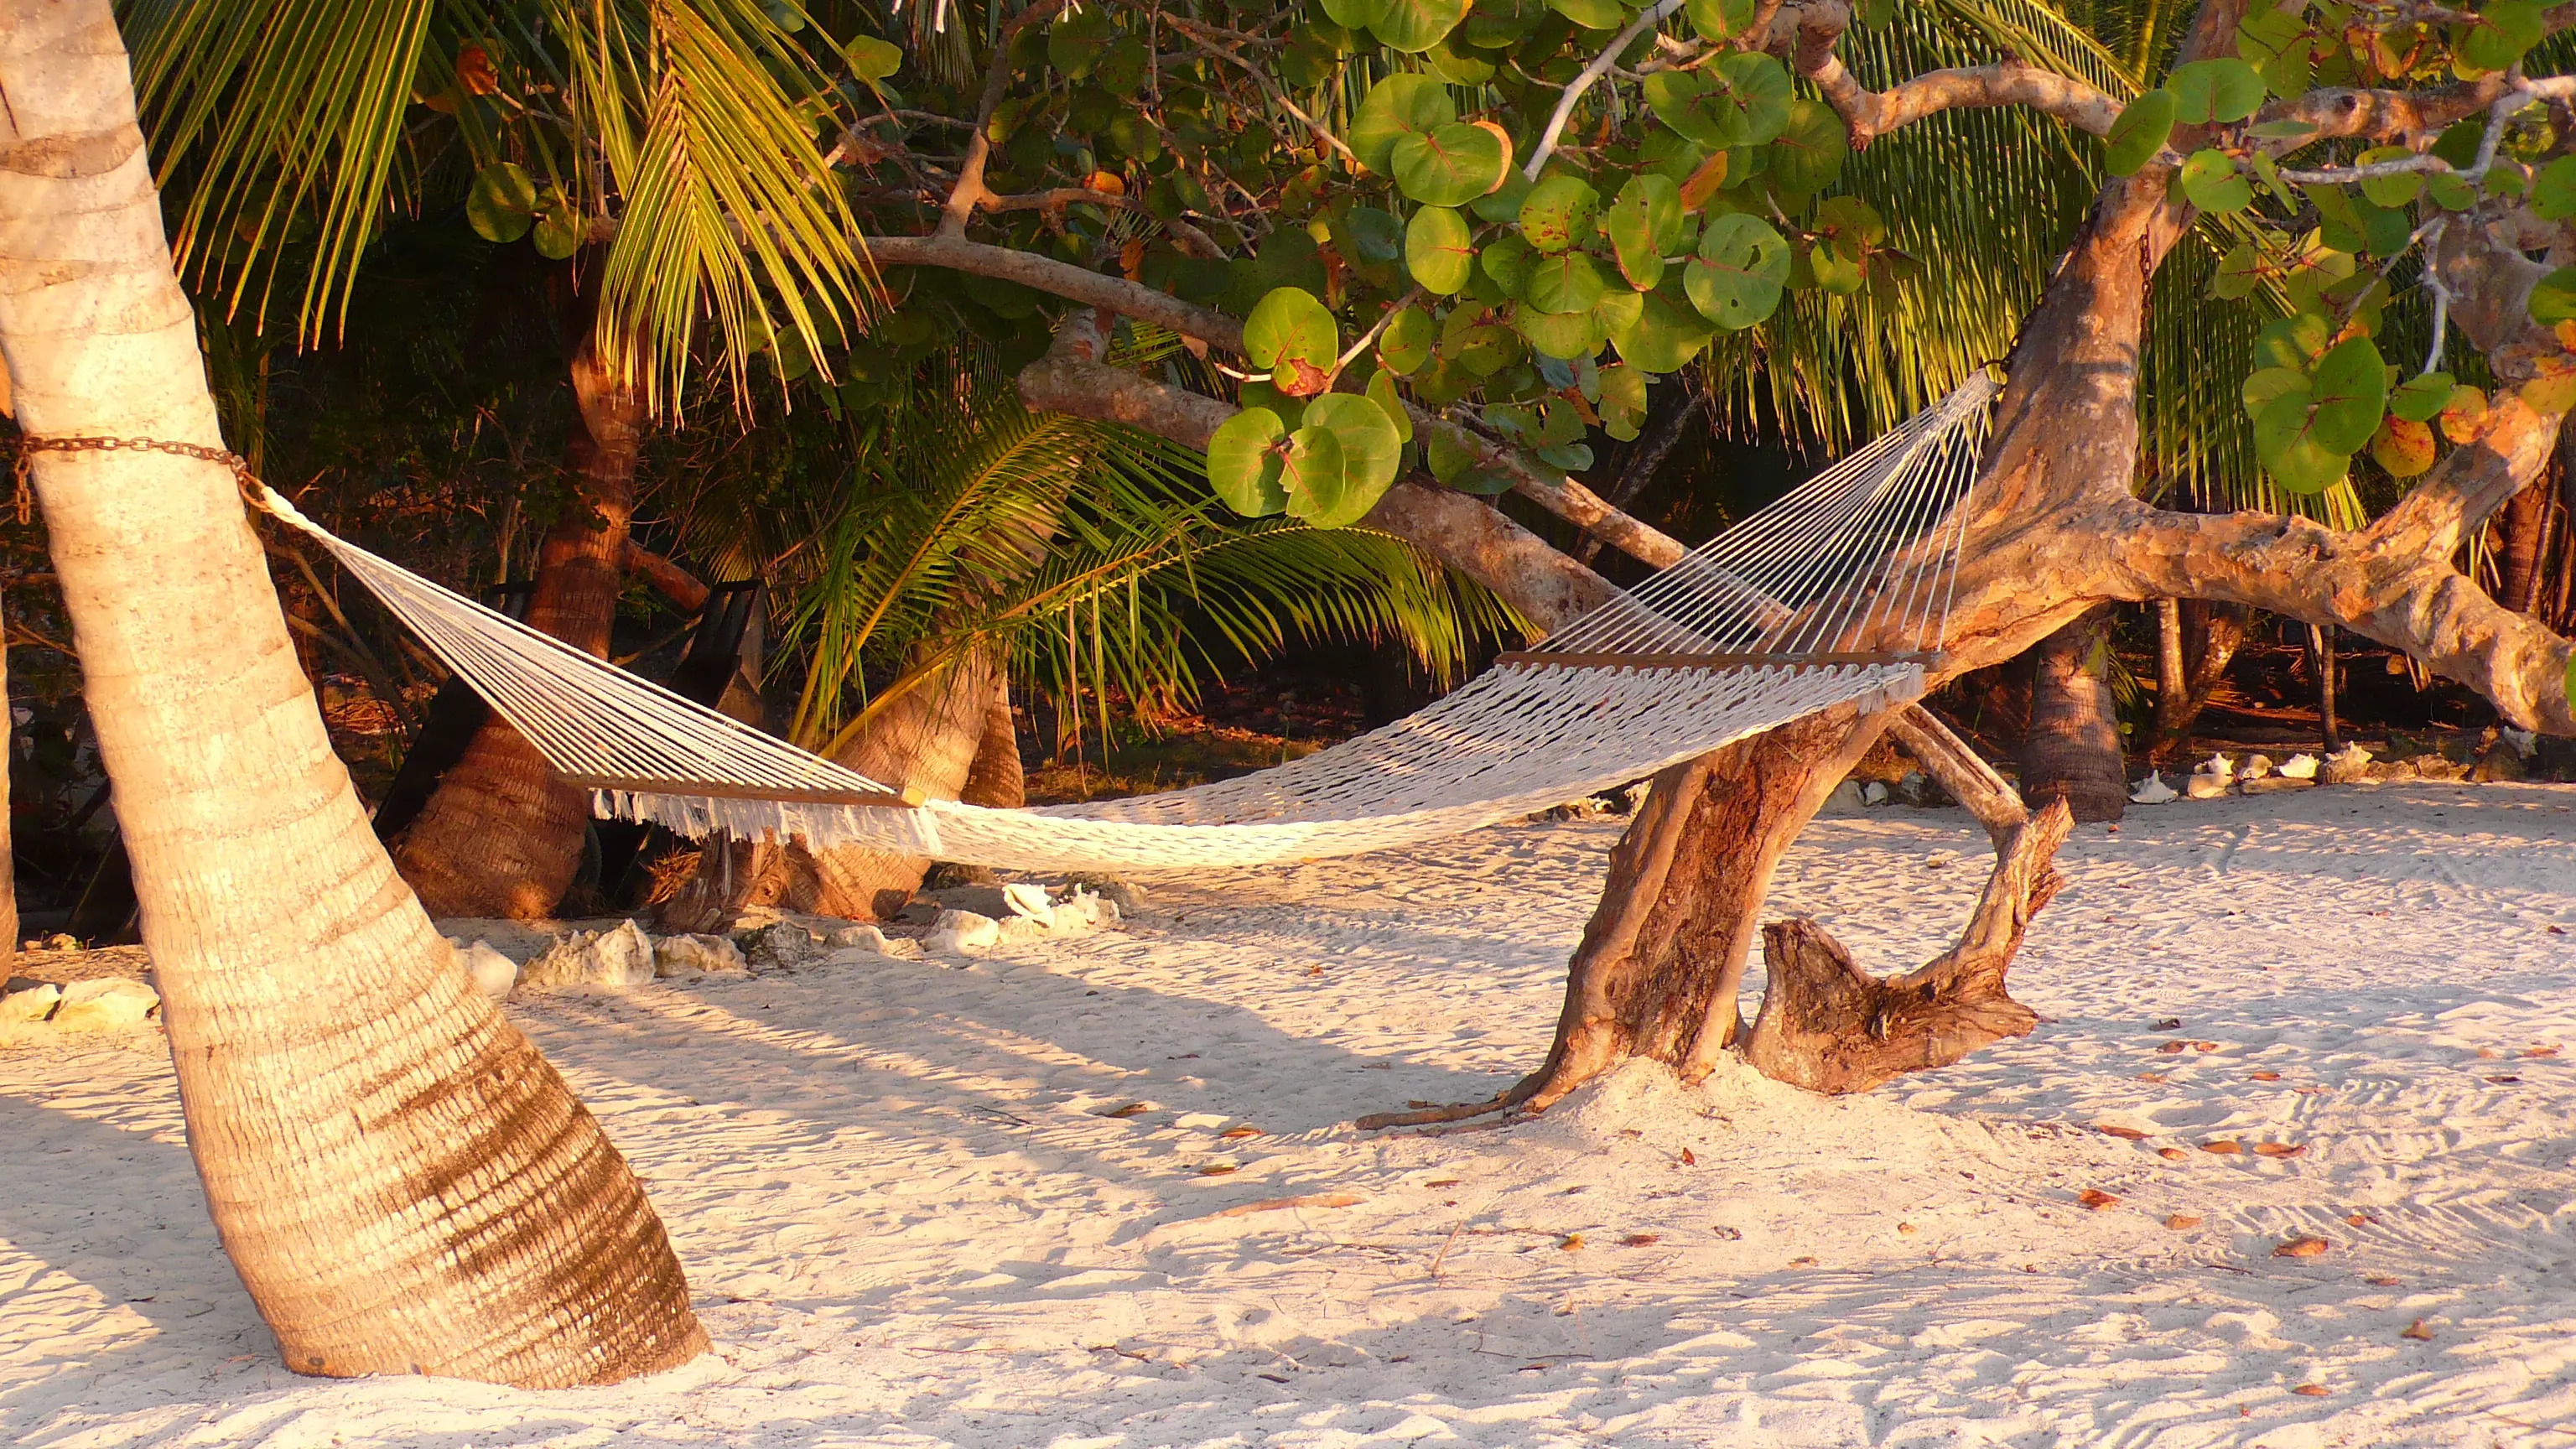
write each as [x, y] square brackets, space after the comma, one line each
[1829, 1026]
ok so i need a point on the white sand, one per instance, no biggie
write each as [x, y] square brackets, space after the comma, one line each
[908, 1221]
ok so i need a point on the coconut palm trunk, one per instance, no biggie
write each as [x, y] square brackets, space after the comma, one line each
[403, 1183]
[502, 836]
[2071, 751]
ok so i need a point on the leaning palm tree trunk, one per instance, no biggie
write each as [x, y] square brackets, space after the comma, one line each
[403, 1183]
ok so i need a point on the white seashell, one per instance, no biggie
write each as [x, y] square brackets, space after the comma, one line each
[2152, 791]
[2219, 767]
[2299, 767]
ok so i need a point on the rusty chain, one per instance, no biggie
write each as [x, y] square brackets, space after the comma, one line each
[29, 445]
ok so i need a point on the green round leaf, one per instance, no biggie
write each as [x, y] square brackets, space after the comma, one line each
[1077, 38]
[1504, 202]
[2208, 91]
[1736, 280]
[1370, 447]
[1456, 66]
[1617, 310]
[1645, 220]
[1414, 26]
[1749, 100]
[1558, 213]
[1243, 464]
[1313, 472]
[2237, 273]
[2349, 397]
[1407, 341]
[2267, 385]
[1438, 250]
[2299, 465]
[1506, 259]
[1676, 96]
[2275, 43]
[1809, 153]
[502, 204]
[2553, 191]
[1371, 235]
[1563, 282]
[872, 59]
[2139, 133]
[2420, 398]
[2210, 181]
[1292, 335]
[1400, 105]
[2553, 298]
[2294, 342]
[559, 229]
[1381, 390]
[2504, 31]
[1450, 166]
[2395, 190]
[1355, 14]
[1721, 19]
[1592, 14]
[1665, 336]
[1562, 336]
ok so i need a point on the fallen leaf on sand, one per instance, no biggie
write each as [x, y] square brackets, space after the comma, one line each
[2313, 1391]
[2281, 1149]
[1907, 1228]
[2504, 1081]
[1234, 1133]
[2151, 1076]
[1689, 1158]
[2223, 1146]
[2419, 1331]
[2207, 1046]
[2302, 1248]
[2096, 1199]
[1132, 1109]
[1217, 1169]
[2380, 1280]
[2488, 1054]
[1272, 1205]
[1443, 1182]
[1802, 1262]
[2172, 1154]
[1572, 1242]
[2180, 1221]
[2360, 1219]
[2267, 1076]
[2125, 1134]
[2541, 1051]
[1639, 1240]
[2171, 1047]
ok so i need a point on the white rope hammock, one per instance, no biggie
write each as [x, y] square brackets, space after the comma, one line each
[1836, 593]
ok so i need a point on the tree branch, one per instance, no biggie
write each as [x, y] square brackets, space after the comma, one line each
[1062, 279]
[970, 191]
[1816, 28]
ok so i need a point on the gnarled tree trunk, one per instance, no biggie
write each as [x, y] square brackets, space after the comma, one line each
[403, 1183]
[502, 836]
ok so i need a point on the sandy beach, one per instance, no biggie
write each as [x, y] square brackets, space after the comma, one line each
[1105, 1192]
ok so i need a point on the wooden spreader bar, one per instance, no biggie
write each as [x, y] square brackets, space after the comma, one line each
[908, 798]
[1533, 658]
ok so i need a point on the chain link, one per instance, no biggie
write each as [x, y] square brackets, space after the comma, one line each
[30, 445]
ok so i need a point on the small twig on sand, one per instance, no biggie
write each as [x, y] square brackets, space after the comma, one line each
[1442, 1256]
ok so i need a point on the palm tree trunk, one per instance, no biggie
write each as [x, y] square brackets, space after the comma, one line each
[502, 836]
[2522, 539]
[2071, 751]
[403, 1183]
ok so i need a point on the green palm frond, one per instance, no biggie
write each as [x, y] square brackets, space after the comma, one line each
[284, 117]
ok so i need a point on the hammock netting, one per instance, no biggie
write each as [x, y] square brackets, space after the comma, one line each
[1835, 594]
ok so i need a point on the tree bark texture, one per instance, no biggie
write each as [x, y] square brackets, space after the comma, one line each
[2070, 751]
[502, 836]
[2211, 635]
[1831, 1027]
[403, 1183]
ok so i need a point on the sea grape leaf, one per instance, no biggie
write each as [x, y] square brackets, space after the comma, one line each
[2553, 191]
[1592, 14]
[1665, 336]
[1401, 105]
[1563, 282]
[1748, 99]
[1558, 213]
[1414, 26]
[2553, 297]
[1721, 19]
[2502, 33]
[1313, 471]
[1407, 341]
[2350, 395]
[2211, 182]
[1438, 250]
[1370, 447]
[1809, 152]
[2420, 398]
[2139, 134]
[2403, 447]
[2395, 190]
[502, 203]
[1243, 463]
[2275, 43]
[1646, 219]
[1450, 165]
[1292, 335]
[1737, 277]
[1561, 335]
[2215, 91]
[1355, 14]
[1381, 390]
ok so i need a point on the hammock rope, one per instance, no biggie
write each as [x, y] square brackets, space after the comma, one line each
[1837, 593]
